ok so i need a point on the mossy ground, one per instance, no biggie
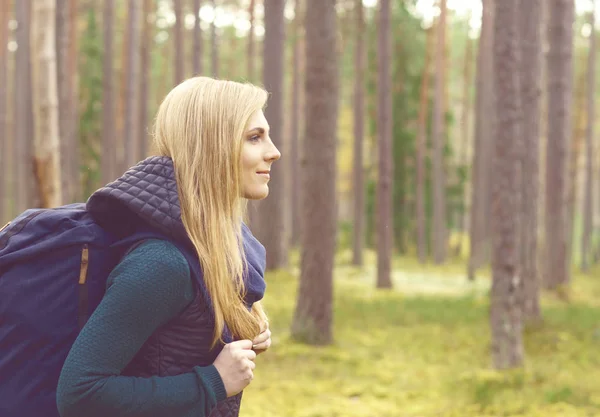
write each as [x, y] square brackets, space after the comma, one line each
[418, 351]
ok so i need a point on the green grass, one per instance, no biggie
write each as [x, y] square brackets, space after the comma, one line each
[412, 353]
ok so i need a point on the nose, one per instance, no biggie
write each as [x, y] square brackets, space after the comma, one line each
[272, 153]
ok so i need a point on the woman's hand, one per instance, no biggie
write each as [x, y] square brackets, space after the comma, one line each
[262, 342]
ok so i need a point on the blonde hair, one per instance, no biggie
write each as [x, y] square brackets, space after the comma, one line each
[200, 125]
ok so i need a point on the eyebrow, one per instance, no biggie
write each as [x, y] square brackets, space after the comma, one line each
[258, 130]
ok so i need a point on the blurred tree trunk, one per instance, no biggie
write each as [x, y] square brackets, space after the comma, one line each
[4, 133]
[45, 102]
[272, 230]
[359, 132]
[146, 56]
[109, 155]
[461, 217]
[588, 208]
[530, 26]
[294, 154]
[198, 43]
[577, 142]
[439, 230]
[560, 63]
[314, 309]
[66, 100]
[251, 42]
[132, 69]
[422, 149]
[505, 309]
[483, 134]
[26, 194]
[178, 40]
[74, 104]
[384, 130]
[214, 44]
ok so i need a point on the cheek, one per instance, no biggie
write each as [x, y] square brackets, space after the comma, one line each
[250, 158]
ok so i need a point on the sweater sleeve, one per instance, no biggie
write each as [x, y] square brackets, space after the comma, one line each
[151, 285]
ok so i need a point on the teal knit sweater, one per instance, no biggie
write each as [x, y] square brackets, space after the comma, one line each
[150, 286]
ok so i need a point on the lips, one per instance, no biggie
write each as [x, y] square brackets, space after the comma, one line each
[266, 174]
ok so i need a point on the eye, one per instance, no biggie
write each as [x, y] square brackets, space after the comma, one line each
[254, 138]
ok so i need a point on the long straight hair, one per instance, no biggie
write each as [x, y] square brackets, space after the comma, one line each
[201, 126]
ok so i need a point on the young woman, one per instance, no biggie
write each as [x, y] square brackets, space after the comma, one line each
[179, 326]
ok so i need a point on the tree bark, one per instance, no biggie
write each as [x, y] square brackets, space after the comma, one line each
[4, 134]
[422, 149]
[131, 136]
[26, 194]
[178, 40]
[146, 48]
[294, 156]
[198, 47]
[313, 315]
[588, 208]
[440, 232]
[384, 130]
[505, 311]
[560, 63]
[45, 100]
[484, 130]
[109, 155]
[272, 229]
[530, 25]
[359, 132]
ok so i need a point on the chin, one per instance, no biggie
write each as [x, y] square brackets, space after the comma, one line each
[258, 194]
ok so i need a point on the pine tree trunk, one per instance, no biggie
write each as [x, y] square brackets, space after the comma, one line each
[4, 134]
[109, 155]
[359, 131]
[178, 40]
[131, 136]
[588, 208]
[384, 130]
[560, 63]
[45, 99]
[465, 127]
[530, 25]
[313, 315]
[294, 155]
[484, 130]
[421, 150]
[26, 194]
[273, 231]
[198, 43]
[251, 54]
[439, 229]
[214, 44]
[146, 48]
[505, 309]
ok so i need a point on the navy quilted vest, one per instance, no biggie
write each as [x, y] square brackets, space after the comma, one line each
[145, 197]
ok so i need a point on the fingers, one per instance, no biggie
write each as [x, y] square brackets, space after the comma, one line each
[249, 354]
[242, 344]
[262, 346]
[261, 338]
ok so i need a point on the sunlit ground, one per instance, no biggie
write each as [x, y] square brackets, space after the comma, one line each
[423, 350]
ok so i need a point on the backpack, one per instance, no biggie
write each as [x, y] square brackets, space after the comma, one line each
[54, 264]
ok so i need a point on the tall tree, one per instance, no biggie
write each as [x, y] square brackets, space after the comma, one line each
[66, 100]
[26, 194]
[313, 315]
[109, 155]
[251, 54]
[4, 18]
[198, 42]
[384, 130]
[272, 224]
[530, 25]
[359, 132]
[560, 63]
[294, 174]
[178, 40]
[132, 69]
[505, 309]
[439, 229]
[421, 148]
[146, 47]
[589, 154]
[45, 99]
[484, 127]
[214, 56]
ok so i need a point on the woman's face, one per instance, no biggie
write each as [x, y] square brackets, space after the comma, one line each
[258, 154]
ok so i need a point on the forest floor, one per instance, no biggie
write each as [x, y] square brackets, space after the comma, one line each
[422, 350]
